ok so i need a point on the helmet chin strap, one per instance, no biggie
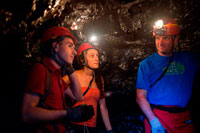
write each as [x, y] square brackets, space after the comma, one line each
[89, 67]
[86, 63]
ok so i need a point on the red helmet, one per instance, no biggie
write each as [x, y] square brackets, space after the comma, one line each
[84, 47]
[165, 27]
[53, 32]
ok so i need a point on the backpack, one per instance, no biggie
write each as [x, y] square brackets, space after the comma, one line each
[47, 90]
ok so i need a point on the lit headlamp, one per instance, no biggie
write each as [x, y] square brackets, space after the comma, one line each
[159, 27]
[165, 27]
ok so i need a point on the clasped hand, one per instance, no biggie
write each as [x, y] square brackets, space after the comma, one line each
[80, 113]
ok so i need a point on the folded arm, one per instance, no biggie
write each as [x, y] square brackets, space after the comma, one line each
[74, 91]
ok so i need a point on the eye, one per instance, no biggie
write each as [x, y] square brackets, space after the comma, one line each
[70, 45]
[157, 37]
[166, 38]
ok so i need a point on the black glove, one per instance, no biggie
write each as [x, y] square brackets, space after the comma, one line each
[88, 112]
[80, 113]
[68, 69]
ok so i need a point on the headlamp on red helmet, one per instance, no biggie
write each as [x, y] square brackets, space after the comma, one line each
[165, 27]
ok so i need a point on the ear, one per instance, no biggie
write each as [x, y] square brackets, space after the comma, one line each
[176, 39]
[55, 46]
[81, 60]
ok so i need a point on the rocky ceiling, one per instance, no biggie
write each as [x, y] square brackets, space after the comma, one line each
[123, 28]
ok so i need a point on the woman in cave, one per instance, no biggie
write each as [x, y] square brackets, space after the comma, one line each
[92, 85]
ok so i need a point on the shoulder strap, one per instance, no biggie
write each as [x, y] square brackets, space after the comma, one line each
[47, 86]
[170, 60]
[89, 85]
[47, 90]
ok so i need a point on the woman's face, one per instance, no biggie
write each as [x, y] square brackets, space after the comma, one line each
[92, 57]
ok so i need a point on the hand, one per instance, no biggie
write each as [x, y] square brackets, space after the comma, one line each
[156, 126]
[80, 113]
[87, 112]
[68, 70]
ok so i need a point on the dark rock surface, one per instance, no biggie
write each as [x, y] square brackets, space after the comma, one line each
[123, 29]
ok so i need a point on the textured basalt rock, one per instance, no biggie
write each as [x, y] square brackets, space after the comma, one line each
[123, 28]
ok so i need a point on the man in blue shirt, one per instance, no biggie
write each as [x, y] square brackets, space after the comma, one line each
[164, 82]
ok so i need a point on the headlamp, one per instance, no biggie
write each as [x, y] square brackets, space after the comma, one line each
[159, 27]
[159, 24]
[165, 27]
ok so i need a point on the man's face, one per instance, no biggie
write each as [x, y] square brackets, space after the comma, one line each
[92, 57]
[65, 51]
[164, 45]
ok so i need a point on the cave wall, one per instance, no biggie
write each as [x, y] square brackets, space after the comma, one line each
[123, 28]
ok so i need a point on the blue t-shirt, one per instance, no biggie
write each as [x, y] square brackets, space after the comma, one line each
[175, 87]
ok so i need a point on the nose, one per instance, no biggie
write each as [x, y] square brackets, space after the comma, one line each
[161, 40]
[97, 58]
[74, 51]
